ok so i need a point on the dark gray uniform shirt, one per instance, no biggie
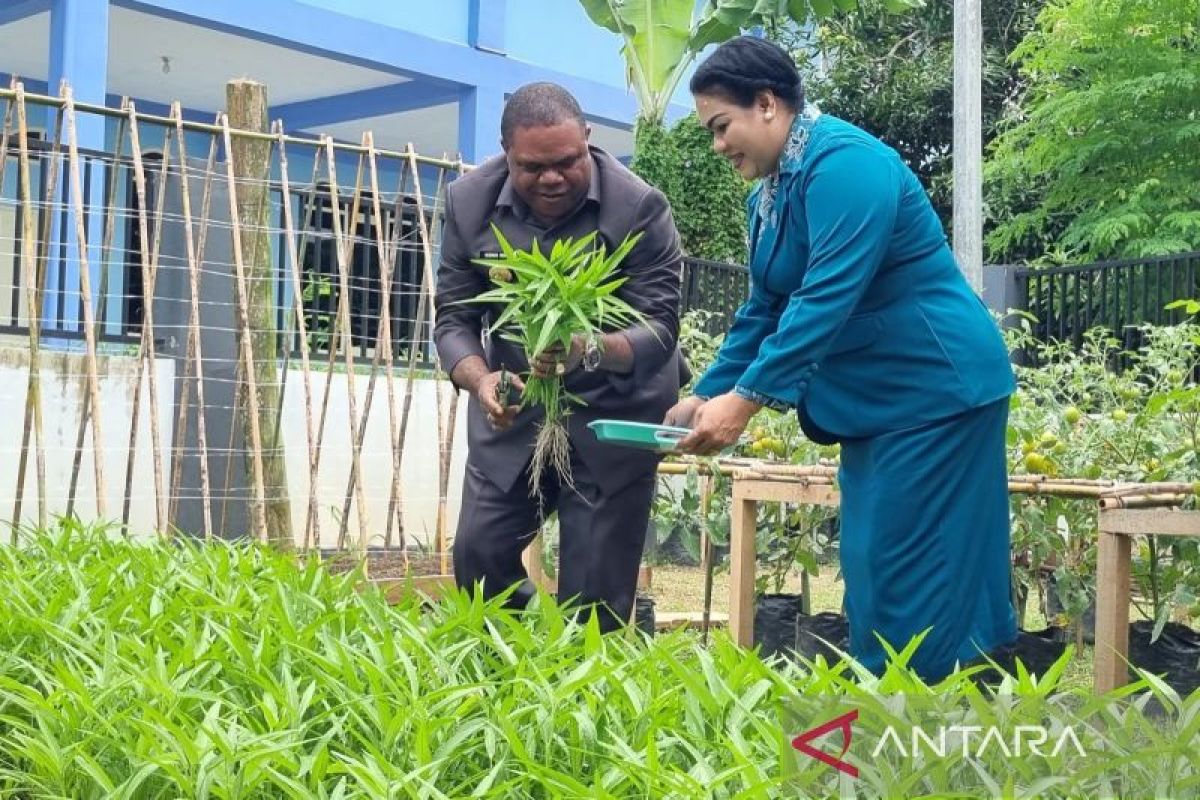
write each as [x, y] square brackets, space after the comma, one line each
[617, 203]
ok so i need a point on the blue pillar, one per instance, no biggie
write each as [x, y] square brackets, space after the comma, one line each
[79, 55]
[485, 27]
[479, 109]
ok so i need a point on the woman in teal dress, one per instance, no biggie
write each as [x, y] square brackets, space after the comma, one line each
[859, 319]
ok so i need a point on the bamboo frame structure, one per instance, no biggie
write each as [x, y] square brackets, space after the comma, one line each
[141, 211]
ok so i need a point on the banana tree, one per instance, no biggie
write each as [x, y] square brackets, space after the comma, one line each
[663, 37]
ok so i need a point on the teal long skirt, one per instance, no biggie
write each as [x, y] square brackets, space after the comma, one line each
[925, 541]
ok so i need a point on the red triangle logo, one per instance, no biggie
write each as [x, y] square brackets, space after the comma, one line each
[841, 723]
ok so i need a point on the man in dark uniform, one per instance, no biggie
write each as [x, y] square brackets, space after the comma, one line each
[550, 184]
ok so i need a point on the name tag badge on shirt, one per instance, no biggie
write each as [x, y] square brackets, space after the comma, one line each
[497, 273]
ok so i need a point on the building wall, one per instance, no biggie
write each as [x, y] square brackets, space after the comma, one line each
[559, 36]
[442, 19]
[63, 389]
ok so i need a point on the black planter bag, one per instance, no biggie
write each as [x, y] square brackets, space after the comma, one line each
[775, 618]
[643, 614]
[1037, 650]
[817, 632]
[1174, 656]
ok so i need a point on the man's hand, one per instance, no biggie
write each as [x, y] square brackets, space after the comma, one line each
[487, 391]
[556, 361]
[717, 424]
[680, 415]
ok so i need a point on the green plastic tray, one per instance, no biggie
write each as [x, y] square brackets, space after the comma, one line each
[642, 435]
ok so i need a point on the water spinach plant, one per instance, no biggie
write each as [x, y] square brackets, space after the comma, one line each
[547, 300]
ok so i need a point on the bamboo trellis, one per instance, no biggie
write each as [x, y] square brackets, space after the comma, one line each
[121, 215]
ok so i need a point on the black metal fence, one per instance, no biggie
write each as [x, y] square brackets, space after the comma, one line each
[1117, 295]
[716, 287]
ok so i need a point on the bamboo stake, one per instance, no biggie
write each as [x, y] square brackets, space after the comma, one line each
[347, 344]
[1151, 488]
[102, 299]
[260, 501]
[706, 554]
[298, 302]
[393, 412]
[359, 437]
[85, 288]
[423, 298]
[195, 351]
[427, 281]
[383, 339]
[309, 199]
[33, 295]
[352, 212]
[10, 106]
[146, 357]
[1144, 500]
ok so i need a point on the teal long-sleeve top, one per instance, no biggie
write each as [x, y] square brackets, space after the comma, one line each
[857, 313]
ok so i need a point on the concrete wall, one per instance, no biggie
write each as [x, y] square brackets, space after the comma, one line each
[62, 376]
[419, 464]
[63, 391]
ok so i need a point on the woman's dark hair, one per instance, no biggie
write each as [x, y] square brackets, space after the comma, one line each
[741, 68]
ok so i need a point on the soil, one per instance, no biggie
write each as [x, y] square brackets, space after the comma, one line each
[387, 564]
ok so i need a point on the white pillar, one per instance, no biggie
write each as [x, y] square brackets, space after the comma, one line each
[968, 140]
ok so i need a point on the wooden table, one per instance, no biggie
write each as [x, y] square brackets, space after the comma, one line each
[749, 489]
[1117, 527]
[1125, 510]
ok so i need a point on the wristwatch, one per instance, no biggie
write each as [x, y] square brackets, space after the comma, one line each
[592, 354]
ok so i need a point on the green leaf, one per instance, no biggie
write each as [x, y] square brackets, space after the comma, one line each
[601, 13]
[660, 33]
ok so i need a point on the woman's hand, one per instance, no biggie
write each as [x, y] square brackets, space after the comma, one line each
[680, 414]
[717, 424]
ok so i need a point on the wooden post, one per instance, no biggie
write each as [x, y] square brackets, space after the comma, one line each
[1112, 610]
[968, 141]
[1116, 527]
[251, 157]
[742, 562]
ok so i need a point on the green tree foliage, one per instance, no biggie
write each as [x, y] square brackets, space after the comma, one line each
[661, 38]
[893, 75]
[1103, 151]
[707, 196]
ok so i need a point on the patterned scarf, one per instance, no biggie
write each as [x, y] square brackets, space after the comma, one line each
[793, 151]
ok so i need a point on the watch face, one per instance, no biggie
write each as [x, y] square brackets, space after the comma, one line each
[591, 357]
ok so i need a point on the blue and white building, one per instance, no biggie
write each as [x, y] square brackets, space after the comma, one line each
[433, 72]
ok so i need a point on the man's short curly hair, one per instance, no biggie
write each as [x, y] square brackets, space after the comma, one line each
[538, 104]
